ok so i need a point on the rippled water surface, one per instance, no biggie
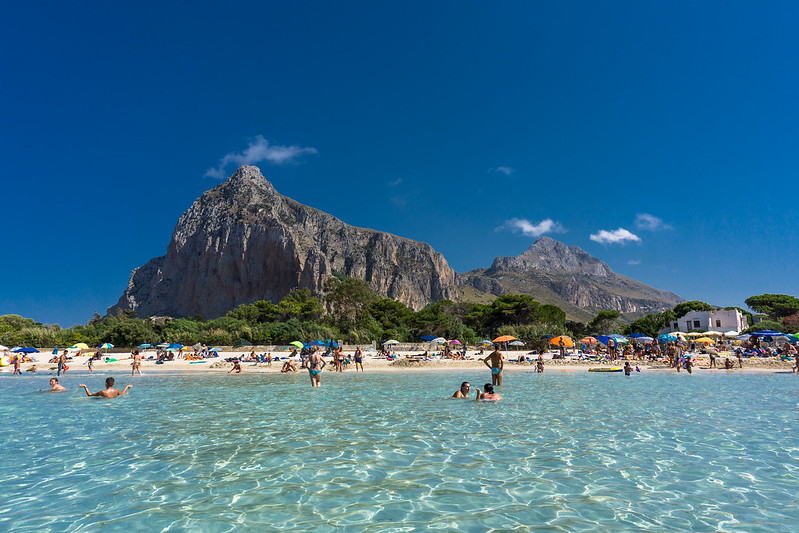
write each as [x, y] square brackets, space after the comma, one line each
[381, 452]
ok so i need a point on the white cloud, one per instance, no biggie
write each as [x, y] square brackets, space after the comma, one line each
[634, 262]
[260, 150]
[505, 170]
[649, 222]
[395, 182]
[617, 236]
[533, 230]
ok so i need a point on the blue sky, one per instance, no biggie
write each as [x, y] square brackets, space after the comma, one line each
[473, 126]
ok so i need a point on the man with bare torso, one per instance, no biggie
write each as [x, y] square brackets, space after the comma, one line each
[109, 392]
[62, 364]
[494, 361]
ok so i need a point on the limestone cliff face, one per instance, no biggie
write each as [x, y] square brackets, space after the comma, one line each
[242, 241]
[570, 278]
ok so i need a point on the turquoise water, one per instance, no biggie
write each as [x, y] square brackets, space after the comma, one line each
[383, 452]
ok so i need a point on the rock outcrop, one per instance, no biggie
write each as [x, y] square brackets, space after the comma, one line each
[242, 241]
[570, 278]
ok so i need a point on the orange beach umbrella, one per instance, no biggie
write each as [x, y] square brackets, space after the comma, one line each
[504, 338]
[564, 339]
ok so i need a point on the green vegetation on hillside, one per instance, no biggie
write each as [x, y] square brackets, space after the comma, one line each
[352, 312]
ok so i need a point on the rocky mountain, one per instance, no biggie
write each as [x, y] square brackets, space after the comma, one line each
[242, 241]
[570, 278]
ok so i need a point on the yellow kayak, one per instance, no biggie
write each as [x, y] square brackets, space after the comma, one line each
[614, 369]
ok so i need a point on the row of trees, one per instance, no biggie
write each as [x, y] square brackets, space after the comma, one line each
[356, 314]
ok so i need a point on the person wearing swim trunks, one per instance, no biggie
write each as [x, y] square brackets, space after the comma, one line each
[463, 392]
[136, 362]
[109, 392]
[62, 364]
[489, 394]
[494, 361]
[55, 387]
[628, 369]
[315, 365]
[358, 358]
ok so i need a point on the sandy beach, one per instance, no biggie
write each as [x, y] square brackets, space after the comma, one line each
[404, 363]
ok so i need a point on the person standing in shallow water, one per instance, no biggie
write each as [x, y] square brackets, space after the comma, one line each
[494, 361]
[136, 363]
[315, 366]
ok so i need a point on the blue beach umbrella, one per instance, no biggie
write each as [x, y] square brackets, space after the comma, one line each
[637, 335]
[486, 342]
[106, 346]
[767, 333]
[427, 337]
[145, 345]
[667, 337]
[25, 350]
[175, 346]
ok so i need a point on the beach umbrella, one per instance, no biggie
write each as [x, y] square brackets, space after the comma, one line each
[427, 337]
[644, 339]
[604, 339]
[4, 348]
[667, 337]
[767, 333]
[505, 338]
[588, 340]
[145, 345]
[731, 333]
[706, 340]
[176, 346]
[106, 346]
[242, 343]
[162, 345]
[694, 334]
[390, 342]
[455, 341]
[516, 343]
[80, 346]
[298, 344]
[547, 337]
[619, 338]
[637, 335]
[439, 340]
[25, 350]
[486, 342]
[712, 334]
[566, 340]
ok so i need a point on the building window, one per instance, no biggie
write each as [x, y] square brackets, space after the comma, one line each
[696, 324]
[718, 323]
[676, 326]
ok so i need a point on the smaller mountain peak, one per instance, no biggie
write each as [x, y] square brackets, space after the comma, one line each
[549, 255]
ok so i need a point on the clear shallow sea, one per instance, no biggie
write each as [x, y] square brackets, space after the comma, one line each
[383, 452]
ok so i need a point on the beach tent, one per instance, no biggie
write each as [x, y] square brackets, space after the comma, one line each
[4, 348]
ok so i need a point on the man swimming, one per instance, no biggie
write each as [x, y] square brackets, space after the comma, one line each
[494, 361]
[315, 365]
[489, 394]
[463, 392]
[109, 392]
[55, 386]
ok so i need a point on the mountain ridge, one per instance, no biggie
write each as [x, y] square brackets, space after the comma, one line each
[242, 241]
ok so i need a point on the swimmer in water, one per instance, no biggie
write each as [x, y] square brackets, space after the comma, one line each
[494, 361]
[627, 369]
[236, 367]
[315, 366]
[463, 392]
[55, 386]
[109, 392]
[489, 394]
